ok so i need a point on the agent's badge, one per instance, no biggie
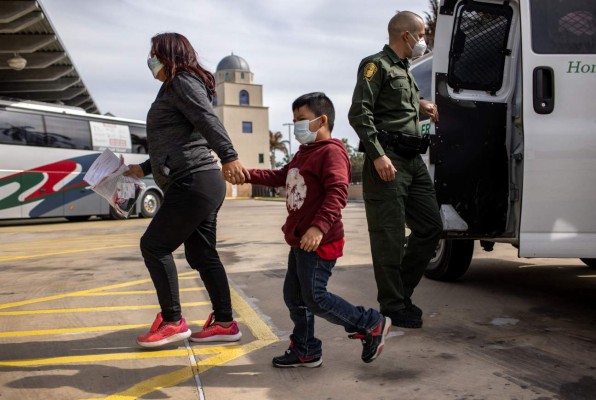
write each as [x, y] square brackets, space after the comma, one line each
[369, 71]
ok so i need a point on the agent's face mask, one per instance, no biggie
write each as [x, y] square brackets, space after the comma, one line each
[419, 48]
[154, 65]
[302, 131]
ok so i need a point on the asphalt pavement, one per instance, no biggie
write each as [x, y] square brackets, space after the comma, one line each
[74, 296]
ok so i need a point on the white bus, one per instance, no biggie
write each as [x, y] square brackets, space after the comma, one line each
[513, 156]
[46, 149]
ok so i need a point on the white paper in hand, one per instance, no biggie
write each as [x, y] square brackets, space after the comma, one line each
[106, 178]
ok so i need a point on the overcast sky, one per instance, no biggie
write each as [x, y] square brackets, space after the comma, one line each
[292, 47]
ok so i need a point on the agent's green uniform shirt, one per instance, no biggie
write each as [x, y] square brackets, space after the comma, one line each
[386, 97]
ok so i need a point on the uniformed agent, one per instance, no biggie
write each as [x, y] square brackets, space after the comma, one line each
[397, 187]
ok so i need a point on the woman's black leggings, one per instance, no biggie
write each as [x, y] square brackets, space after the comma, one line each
[188, 216]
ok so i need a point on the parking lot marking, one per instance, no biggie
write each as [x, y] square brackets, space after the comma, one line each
[261, 331]
[184, 275]
[91, 358]
[73, 331]
[211, 356]
[152, 291]
[184, 374]
[95, 309]
[58, 253]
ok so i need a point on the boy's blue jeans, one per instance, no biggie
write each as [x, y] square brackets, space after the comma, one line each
[305, 294]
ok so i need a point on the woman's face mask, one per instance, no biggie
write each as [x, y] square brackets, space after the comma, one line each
[419, 48]
[302, 131]
[154, 65]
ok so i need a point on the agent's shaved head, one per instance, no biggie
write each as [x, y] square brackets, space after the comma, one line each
[404, 21]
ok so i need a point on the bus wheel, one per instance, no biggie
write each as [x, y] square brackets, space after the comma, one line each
[115, 214]
[150, 204]
[451, 260]
[590, 262]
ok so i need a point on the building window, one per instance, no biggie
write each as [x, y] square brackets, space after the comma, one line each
[261, 158]
[246, 126]
[227, 77]
[241, 75]
[244, 98]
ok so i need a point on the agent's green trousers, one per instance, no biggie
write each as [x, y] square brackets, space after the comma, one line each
[409, 199]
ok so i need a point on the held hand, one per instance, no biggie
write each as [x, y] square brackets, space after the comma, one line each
[385, 168]
[430, 109]
[235, 173]
[311, 239]
[134, 170]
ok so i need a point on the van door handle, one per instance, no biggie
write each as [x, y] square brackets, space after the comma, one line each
[544, 90]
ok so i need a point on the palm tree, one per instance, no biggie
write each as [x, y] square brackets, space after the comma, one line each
[431, 23]
[276, 142]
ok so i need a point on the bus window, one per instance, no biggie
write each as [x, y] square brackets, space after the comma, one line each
[138, 135]
[68, 133]
[21, 128]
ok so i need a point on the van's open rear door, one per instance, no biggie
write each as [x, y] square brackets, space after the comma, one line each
[474, 88]
[558, 216]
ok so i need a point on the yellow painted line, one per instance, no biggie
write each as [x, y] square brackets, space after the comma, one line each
[258, 327]
[78, 238]
[94, 358]
[85, 329]
[94, 309]
[197, 289]
[81, 292]
[184, 374]
[222, 354]
[57, 253]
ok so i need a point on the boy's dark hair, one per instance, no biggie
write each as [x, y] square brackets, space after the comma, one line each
[319, 104]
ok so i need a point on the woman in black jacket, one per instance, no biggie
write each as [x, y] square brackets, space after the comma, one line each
[181, 132]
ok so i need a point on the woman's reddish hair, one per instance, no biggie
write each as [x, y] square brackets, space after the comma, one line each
[176, 54]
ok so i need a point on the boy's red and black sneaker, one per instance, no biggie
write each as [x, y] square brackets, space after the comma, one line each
[291, 360]
[373, 342]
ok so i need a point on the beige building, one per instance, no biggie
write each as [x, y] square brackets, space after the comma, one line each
[239, 105]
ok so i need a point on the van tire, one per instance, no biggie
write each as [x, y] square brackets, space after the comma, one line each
[150, 203]
[451, 260]
[590, 262]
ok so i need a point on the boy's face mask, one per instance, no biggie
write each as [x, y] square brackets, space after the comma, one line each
[302, 131]
[154, 65]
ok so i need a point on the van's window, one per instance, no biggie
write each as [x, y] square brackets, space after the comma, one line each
[423, 75]
[21, 128]
[563, 26]
[68, 133]
[479, 46]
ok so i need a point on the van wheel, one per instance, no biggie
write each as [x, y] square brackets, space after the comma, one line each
[150, 203]
[451, 260]
[590, 262]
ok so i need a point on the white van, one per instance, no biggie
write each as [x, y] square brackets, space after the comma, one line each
[513, 155]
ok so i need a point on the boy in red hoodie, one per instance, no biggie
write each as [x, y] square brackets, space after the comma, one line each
[316, 182]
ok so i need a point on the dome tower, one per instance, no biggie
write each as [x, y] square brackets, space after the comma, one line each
[239, 106]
